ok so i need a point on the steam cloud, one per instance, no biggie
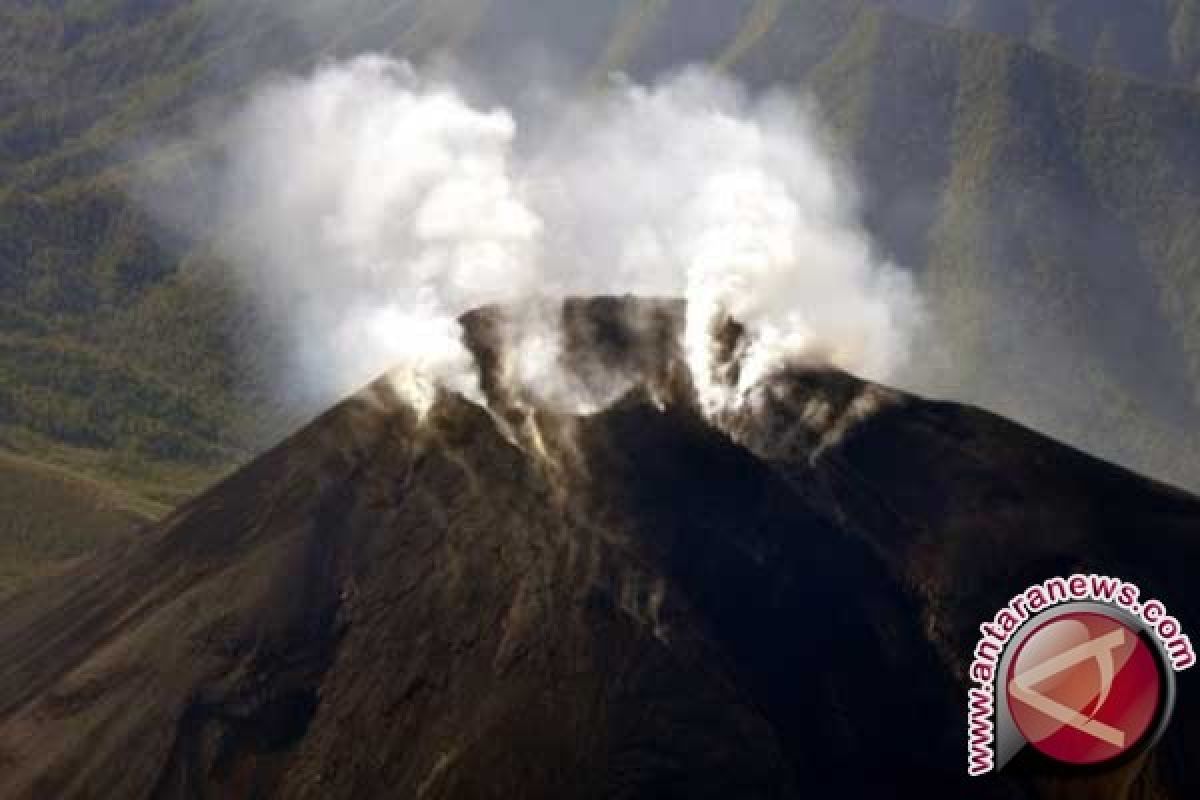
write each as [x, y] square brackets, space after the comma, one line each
[369, 207]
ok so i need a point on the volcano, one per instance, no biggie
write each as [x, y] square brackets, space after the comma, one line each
[499, 600]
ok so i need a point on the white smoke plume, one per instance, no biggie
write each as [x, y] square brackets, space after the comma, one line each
[370, 207]
[367, 211]
[691, 188]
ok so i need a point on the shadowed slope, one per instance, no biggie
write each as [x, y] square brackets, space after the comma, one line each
[373, 605]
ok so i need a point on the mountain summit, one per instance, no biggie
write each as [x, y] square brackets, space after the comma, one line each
[638, 602]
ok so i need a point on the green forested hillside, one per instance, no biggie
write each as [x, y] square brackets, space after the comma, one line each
[52, 516]
[1157, 40]
[1047, 209]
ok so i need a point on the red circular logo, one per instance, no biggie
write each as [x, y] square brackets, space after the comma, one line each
[1084, 688]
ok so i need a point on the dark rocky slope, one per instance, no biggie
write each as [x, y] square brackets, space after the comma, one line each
[628, 604]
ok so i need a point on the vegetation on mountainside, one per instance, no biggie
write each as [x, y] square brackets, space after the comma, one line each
[52, 516]
[1156, 40]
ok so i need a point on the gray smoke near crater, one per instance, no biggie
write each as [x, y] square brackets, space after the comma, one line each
[368, 206]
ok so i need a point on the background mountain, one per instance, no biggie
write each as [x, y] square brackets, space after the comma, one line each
[515, 603]
[1158, 40]
[1047, 207]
